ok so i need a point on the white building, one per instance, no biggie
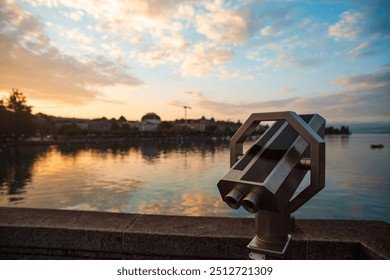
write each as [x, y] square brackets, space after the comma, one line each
[150, 122]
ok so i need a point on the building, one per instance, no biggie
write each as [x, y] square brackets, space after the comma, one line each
[82, 124]
[150, 122]
[101, 125]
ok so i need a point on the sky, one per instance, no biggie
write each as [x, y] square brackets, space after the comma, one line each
[224, 59]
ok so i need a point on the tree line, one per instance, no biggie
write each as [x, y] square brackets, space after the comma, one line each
[16, 119]
[343, 130]
[17, 123]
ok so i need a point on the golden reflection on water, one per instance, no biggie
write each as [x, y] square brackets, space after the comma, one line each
[145, 178]
[181, 179]
[193, 203]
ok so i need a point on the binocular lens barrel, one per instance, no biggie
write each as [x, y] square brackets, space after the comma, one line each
[233, 198]
[251, 202]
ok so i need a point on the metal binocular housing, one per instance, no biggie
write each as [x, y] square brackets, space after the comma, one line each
[266, 178]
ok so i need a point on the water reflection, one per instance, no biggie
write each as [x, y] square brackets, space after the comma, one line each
[16, 170]
[194, 202]
[150, 150]
[108, 177]
[180, 178]
[357, 180]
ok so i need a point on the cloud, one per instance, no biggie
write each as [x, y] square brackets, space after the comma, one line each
[114, 51]
[107, 10]
[359, 50]
[54, 77]
[224, 26]
[266, 31]
[127, 18]
[203, 58]
[377, 14]
[276, 21]
[275, 56]
[286, 39]
[286, 90]
[75, 34]
[194, 39]
[75, 15]
[360, 106]
[356, 106]
[185, 12]
[289, 60]
[30, 32]
[148, 25]
[347, 28]
[170, 49]
[31, 63]
[365, 32]
[177, 103]
[365, 99]
[378, 80]
[196, 94]
[225, 74]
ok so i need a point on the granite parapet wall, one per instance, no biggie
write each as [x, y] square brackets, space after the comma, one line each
[61, 234]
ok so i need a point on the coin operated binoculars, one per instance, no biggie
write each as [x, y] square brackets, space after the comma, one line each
[266, 178]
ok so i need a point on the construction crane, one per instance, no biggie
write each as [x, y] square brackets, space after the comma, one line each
[185, 111]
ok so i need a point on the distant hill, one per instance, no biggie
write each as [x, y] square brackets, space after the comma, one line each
[367, 128]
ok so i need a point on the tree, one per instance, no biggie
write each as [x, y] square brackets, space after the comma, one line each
[17, 102]
[15, 116]
[5, 122]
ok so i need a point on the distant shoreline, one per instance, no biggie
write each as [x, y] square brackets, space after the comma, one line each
[113, 140]
[367, 128]
[136, 140]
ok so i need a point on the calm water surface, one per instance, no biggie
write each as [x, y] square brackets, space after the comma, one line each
[180, 178]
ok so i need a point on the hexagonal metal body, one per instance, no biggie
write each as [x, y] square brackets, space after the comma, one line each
[269, 172]
[265, 179]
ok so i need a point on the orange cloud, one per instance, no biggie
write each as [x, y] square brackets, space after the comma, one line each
[33, 64]
[224, 26]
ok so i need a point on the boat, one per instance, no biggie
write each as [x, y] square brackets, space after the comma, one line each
[377, 146]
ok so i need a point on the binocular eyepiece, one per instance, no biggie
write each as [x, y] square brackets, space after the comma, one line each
[251, 201]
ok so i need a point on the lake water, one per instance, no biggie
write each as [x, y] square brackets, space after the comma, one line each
[180, 178]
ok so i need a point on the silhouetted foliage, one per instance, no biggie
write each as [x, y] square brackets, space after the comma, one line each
[15, 116]
[5, 122]
[174, 129]
[212, 130]
[71, 130]
[125, 127]
[342, 130]
[17, 122]
[115, 126]
[17, 102]
[44, 125]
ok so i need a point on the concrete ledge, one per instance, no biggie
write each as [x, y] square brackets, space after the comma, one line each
[60, 234]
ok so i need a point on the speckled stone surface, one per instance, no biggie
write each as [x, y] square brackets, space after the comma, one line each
[56, 229]
[189, 237]
[371, 238]
[61, 234]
